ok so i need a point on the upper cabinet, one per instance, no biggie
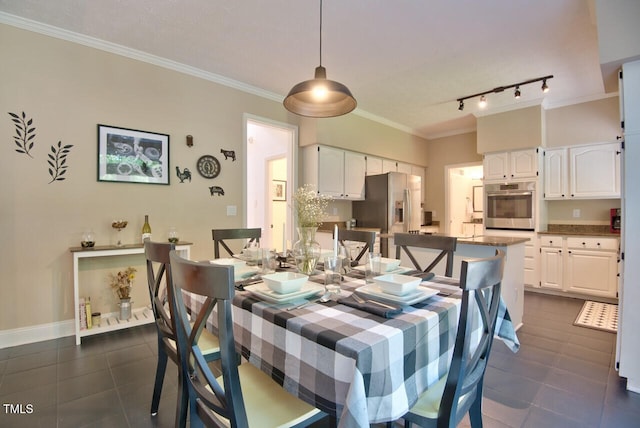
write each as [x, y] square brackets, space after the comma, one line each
[582, 172]
[515, 165]
[374, 165]
[405, 168]
[335, 172]
[389, 166]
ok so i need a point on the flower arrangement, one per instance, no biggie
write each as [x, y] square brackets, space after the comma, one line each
[310, 207]
[122, 282]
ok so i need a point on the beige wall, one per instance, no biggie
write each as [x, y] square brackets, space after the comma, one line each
[590, 122]
[68, 89]
[457, 149]
[517, 129]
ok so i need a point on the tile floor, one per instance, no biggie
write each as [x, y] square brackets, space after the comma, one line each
[563, 376]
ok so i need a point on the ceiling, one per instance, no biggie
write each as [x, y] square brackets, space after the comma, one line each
[405, 61]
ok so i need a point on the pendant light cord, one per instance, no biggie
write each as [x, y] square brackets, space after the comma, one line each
[320, 33]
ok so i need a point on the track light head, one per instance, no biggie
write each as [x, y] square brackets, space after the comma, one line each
[516, 93]
[461, 105]
[545, 87]
[483, 102]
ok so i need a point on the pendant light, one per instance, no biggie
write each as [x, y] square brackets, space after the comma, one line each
[320, 97]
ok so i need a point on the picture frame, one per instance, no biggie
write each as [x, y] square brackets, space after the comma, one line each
[132, 156]
[279, 190]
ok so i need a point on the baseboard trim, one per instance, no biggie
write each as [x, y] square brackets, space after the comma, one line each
[36, 333]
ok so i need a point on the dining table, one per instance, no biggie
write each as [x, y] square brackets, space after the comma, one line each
[359, 363]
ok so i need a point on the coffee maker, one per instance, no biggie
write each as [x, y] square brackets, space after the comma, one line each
[615, 220]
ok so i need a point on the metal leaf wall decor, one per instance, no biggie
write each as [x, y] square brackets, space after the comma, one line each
[57, 161]
[25, 133]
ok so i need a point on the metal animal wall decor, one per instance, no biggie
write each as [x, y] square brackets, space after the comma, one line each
[184, 175]
[25, 133]
[228, 154]
[216, 190]
[58, 161]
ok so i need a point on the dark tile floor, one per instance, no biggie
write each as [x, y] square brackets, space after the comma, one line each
[563, 376]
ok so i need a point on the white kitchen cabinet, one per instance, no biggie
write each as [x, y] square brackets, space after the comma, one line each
[531, 271]
[582, 172]
[592, 266]
[374, 165]
[584, 265]
[556, 173]
[335, 172]
[514, 165]
[389, 166]
[404, 168]
[472, 229]
[594, 171]
[551, 262]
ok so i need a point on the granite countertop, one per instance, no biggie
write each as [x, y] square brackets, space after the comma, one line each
[493, 241]
[579, 230]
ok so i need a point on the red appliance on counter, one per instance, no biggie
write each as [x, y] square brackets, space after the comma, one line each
[615, 220]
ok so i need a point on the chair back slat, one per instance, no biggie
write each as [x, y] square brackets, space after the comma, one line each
[368, 238]
[219, 235]
[159, 282]
[446, 245]
[480, 280]
[215, 284]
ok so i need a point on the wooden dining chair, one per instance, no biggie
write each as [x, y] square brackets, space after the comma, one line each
[367, 238]
[219, 235]
[160, 288]
[446, 245]
[446, 402]
[243, 396]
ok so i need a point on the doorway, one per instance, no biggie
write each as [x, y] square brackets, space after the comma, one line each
[270, 179]
[460, 180]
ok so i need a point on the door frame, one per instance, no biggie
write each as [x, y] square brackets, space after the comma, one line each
[292, 167]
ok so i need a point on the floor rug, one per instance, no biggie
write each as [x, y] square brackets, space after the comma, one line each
[600, 316]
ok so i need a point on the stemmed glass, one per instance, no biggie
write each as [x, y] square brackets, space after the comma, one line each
[119, 225]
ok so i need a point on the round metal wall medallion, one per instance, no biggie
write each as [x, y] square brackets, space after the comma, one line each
[208, 166]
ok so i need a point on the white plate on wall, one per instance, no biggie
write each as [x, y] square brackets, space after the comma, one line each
[263, 292]
[376, 293]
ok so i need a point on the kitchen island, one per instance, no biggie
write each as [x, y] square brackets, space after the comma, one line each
[480, 247]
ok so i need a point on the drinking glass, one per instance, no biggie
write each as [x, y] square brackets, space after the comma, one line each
[173, 235]
[373, 266]
[268, 261]
[332, 274]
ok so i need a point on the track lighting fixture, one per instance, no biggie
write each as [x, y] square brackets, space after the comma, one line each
[516, 93]
[545, 87]
[320, 97]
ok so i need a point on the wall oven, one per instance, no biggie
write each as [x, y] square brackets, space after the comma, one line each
[510, 206]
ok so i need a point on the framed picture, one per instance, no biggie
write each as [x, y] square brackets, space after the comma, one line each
[131, 156]
[279, 190]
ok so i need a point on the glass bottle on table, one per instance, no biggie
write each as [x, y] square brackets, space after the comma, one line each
[146, 229]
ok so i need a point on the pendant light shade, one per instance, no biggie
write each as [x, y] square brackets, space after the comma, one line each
[320, 97]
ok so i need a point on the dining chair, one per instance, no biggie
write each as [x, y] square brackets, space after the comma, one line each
[219, 235]
[160, 288]
[445, 403]
[368, 238]
[446, 245]
[242, 396]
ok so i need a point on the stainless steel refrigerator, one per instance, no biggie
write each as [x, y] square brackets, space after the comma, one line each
[392, 203]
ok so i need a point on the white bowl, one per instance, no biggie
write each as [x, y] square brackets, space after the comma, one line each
[285, 282]
[236, 263]
[396, 284]
[388, 264]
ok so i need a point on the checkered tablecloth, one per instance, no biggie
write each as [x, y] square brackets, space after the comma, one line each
[360, 367]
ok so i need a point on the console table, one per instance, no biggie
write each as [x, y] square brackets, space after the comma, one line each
[110, 321]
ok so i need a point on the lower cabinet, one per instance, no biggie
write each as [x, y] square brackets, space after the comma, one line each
[584, 265]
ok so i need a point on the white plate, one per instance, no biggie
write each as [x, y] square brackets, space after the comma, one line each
[265, 293]
[373, 291]
[229, 262]
[400, 269]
